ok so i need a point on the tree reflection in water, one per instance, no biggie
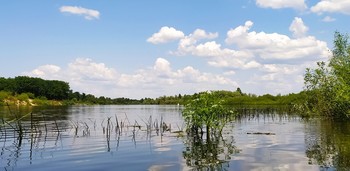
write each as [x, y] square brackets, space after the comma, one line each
[208, 153]
[328, 144]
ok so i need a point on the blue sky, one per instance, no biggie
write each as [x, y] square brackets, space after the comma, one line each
[152, 48]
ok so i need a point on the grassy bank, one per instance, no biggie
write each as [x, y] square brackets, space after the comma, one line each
[26, 99]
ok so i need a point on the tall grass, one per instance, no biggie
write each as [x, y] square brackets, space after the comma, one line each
[37, 128]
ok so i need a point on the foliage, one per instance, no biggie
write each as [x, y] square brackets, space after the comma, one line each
[23, 97]
[208, 111]
[328, 86]
[4, 95]
[45, 92]
[51, 89]
[42, 91]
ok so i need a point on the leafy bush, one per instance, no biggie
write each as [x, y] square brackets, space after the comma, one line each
[23, 97]
[4, 95]
[207, 111]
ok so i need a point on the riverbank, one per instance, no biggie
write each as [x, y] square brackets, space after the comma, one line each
[26, 99]
[31, 102]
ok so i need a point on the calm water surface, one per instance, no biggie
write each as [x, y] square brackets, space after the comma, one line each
[150, 138]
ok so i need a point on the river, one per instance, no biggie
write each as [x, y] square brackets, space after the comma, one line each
[152, 137]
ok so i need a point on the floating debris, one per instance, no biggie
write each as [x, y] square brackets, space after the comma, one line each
[261, 133]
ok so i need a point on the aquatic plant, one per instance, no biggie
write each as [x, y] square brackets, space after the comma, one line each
[207, 111]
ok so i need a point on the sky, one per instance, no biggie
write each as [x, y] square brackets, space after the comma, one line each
[138, 49]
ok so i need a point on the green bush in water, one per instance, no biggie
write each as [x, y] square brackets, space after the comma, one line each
[207, 111]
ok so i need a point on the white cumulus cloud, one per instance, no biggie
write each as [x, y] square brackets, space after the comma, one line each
[199, 34]
[298, 28]
[162, 73]
[278, 78]
[281, 68]
[46, 69]
[83, 74]
[186, 44]
[161, 79]
[87, 76]
[332, 6]
[278, 46]
[258, 61]
[87, 69]
[277, 4]
[217, 55]
[88, 14]
[165, 34]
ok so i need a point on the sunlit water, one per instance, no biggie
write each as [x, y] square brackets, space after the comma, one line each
[89, 138]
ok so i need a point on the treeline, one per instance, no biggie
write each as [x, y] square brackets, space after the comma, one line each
[42, 91]
[233, 98]
[37, 87]
[24, 88]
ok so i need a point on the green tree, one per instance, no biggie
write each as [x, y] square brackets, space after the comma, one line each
[7, 84]
[57, 90]
[340, 64]
[328, 86]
